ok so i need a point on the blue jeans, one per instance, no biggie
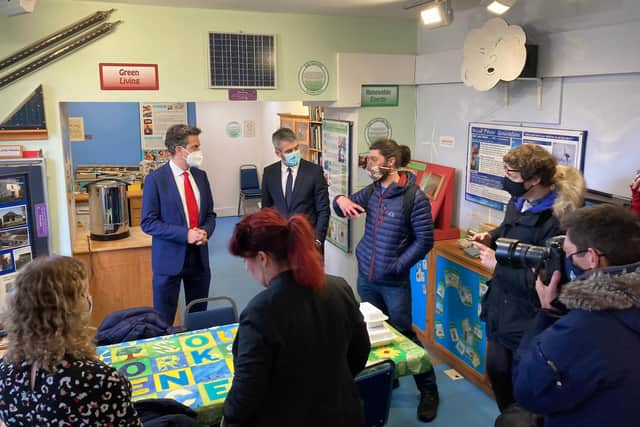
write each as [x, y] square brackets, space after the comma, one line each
[395, 302]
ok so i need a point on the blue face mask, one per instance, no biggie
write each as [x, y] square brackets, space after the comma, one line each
[292, 159]
[571, 270]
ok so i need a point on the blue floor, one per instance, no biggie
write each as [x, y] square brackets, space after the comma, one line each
[461, 403]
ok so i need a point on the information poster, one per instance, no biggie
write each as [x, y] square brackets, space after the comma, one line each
[336, 155]
[457, 324]
[488, 143]
[155, 119]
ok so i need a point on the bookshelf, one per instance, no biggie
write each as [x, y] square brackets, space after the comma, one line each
[308, 130]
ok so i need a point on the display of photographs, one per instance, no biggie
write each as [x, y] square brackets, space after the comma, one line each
[13, 216]
[11, 189]
[6, 263]
[22, 257]
[14, 238]
[6, 286]
[431, 183]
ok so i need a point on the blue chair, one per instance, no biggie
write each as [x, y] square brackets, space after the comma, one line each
[375, 384]
[209, 318]
[249, 184]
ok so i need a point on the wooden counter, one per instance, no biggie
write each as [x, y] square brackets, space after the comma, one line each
[119, 271]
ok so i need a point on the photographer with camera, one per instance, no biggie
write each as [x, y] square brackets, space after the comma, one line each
[582, 369]
[540, 192]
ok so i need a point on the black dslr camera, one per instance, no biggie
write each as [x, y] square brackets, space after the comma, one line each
[544, 260]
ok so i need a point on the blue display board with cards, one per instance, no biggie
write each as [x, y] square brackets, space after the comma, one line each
[419, 294]
[455, 286]
[457, 324]
[488, 143]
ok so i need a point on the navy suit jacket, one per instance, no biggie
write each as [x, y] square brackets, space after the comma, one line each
[164, 219]
[310, 195]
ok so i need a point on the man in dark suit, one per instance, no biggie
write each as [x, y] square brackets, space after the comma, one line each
[296, 186]
[177, 210]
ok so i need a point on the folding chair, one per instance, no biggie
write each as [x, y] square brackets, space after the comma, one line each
[209, 318]
[249, 184]
[375, 384]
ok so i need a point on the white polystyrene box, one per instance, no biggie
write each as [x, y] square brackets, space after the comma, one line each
[372, 314]
[379, 336]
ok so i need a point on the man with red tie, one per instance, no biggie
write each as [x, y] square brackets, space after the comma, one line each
[177, 211]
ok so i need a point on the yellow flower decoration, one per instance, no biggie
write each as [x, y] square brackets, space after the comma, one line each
[386, 352]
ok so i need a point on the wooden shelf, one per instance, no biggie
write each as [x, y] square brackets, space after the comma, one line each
[24, 135]
[315, 149]
[315, 122]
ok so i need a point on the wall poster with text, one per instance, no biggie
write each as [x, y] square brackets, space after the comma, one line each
[488, 143]
[336, 162]
[155, 119]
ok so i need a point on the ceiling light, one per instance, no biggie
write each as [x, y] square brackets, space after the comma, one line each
[435, 13]
[498, 7]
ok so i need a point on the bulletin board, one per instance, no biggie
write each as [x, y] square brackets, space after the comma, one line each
[488, 143]
[336, 162]
[155, 119]
[457, 324]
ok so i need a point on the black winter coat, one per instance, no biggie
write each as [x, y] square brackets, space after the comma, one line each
[511, 302]
[295, 356]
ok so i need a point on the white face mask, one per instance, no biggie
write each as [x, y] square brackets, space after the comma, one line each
[194, 159]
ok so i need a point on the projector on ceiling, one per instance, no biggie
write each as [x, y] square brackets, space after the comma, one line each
[16, 7]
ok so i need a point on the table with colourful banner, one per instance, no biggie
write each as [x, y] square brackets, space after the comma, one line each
[196, 368]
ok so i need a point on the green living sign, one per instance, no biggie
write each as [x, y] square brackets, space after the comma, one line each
[379, 96]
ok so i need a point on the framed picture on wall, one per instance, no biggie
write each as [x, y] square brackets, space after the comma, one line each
[431, 183]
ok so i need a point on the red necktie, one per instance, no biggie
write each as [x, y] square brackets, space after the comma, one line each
[192, 205]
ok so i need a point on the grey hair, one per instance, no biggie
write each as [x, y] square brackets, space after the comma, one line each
[282, 134]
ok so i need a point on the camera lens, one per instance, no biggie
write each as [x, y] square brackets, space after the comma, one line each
[516, 254]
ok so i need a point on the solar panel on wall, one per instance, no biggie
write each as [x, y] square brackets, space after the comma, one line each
[242, 60]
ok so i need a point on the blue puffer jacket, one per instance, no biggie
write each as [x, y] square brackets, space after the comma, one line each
[389, 248]
[582, 370]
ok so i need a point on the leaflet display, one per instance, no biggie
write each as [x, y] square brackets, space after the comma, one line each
[488, 143]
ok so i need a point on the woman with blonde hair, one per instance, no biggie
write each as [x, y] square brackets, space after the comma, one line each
[542, 193]
[50, 372]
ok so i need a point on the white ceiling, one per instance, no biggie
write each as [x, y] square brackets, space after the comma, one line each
[390, 8]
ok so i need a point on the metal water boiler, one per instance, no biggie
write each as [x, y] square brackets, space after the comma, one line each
[108, 210]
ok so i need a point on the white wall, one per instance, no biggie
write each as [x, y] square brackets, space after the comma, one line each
[585, 46]
[224, 155]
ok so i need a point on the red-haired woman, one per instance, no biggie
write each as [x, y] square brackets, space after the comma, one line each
[302, 340]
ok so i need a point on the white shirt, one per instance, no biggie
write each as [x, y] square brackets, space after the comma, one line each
[285, 174]
[179, 177]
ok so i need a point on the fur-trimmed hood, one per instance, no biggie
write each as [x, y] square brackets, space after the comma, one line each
[615, 289]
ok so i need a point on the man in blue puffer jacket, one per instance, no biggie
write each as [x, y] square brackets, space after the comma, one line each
[581, 369]
[393, 241]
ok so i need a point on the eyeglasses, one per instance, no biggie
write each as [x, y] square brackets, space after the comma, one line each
[579, 252]
[508, 170]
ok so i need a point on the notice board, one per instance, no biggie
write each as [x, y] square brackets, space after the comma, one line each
[488, 143]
